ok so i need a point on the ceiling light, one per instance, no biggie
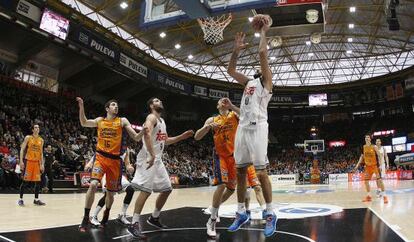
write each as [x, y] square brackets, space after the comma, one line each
[190, 56]
[163, 34]
[352, 9]
[257, 35]
[310, 54]
[349, 51]
[308, 43]
[273, 58]
[123, 5]
[351, 26]
[177, 46]
[350, 40]
[250, 19]
[267, 46]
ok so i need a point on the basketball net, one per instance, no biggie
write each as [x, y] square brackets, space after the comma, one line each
[213, 27]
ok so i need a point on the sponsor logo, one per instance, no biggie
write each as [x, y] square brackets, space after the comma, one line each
[283, 210]
[174, 84]
[218, 94]
[280, 99]
[84, 38]
[133, 65]
[101, 48]
[161, 136]
[249, 91]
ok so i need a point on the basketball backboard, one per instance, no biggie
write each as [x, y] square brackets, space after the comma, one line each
[314, 146]
[160, 13]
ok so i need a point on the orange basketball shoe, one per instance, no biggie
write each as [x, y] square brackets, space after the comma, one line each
[367, 199]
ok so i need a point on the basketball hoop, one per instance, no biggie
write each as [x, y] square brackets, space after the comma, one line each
[213, 27]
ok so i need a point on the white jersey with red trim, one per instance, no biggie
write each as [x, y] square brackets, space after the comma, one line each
[158, 136]
[253, 107]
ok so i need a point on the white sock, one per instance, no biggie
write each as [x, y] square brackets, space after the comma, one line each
[135, 218]
[214, 213]
[269, 207]
[241, 208]
[156, 213]
[36, 199]
[124, 208]
[97, 210]
[263, 206]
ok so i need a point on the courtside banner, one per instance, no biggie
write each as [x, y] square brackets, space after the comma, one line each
[389, 175]
[342, 177]
[29, 10]
[133, 65]
[296, 2]
[174, 180]
[217, 94]
[94, 43]
[84, 179]
[284, 179]
[201, 91]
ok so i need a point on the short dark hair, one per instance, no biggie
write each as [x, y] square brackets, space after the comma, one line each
[149, 102]
[108, 103]
[368, 135]
[34, 124]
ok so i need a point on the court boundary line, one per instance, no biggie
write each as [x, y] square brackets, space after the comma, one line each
[219, 228]
[389, 225]
[6, 239]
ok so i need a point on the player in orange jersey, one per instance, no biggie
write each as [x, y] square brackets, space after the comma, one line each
[107, 157]
[224, 127]
[369, 157]
[33, 146]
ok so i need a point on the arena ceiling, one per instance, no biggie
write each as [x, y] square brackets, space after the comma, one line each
[368, 50]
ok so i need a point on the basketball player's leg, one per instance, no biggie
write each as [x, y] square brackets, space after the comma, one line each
[242, 158]
[112, 169]
[162, 184]
[253, 182]
[99, 206]
[96, 176]
[129, 190]
[143, 182]
[368, 176]
[380, 185]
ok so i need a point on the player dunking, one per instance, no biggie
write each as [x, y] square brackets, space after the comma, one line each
[224, 128]
[369, 156]
[34, 163]
[107, 158]
[151, 174]
[252, 133]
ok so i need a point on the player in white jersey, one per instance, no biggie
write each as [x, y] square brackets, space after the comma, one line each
[124, 184]
[151, 174]
[384, 163]
[252, 133]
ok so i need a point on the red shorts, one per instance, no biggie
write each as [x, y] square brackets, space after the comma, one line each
[112, 168]
[371, 170]
[32, 172]
[224, 171]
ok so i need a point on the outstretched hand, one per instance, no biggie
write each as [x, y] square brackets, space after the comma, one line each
[239, 41]
[80, 101]
[187, 134]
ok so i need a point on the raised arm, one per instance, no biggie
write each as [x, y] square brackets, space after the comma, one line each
[91, 123]
[231, 69]
[131, 132]
[208, 125]
[229, 105]
[263, 59]
[22, 149]
[150, 122]
[172, 140]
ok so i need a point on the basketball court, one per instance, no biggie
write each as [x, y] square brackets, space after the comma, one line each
[314, 213]
[309, 215]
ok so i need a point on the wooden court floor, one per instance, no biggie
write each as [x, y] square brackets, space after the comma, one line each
[67, 209]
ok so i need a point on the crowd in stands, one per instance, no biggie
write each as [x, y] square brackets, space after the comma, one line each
[73, 145]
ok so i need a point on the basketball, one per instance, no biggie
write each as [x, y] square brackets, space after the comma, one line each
[260, 20]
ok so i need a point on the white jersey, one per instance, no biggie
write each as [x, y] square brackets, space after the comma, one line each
[158, 137]
[382, 153]
[253, 107]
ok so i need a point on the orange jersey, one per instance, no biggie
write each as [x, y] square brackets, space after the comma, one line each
[34, 148]
[110, 136]
[370, 156]
[224, 135]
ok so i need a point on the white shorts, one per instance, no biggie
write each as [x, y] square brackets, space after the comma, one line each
[124, 183]
[155, 179]
[250, 146]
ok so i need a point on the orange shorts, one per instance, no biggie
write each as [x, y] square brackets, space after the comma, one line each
[371, 170]
[224, 171]
[252, 179]
[112, 168]
[32, 171]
